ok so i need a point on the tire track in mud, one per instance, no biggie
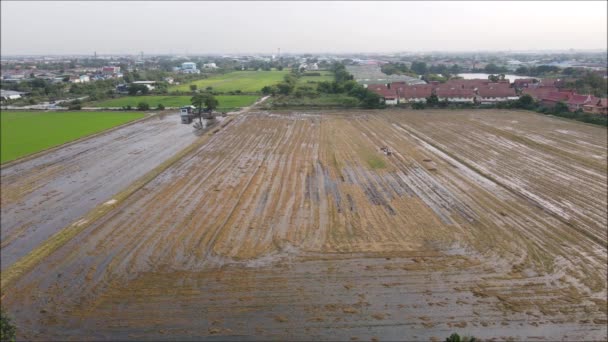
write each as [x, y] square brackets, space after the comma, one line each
[60, 186]
[325, 257]
[213, 239]
[533, 199]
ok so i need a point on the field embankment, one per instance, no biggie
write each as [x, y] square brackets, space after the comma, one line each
[42, 195]
[226, 102]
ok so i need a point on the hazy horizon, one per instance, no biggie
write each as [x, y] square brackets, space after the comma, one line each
[81, 28]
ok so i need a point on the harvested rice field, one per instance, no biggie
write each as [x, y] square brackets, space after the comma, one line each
[297, 226]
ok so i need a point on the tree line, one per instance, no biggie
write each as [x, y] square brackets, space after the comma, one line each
[343, 84]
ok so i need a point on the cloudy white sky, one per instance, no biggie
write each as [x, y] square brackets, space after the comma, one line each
[250, 27]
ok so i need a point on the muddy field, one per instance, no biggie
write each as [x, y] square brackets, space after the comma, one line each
[43, 195]
[296, 226]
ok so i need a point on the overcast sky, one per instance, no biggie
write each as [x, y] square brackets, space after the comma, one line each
[261, 27]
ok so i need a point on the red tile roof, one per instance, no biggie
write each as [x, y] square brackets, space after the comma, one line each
[382, 90]
[557, 96]
[538, 93]
[466, 84]
[577, 99]
[547, 82]
[414, 91]
[494, 91]
[454, 92]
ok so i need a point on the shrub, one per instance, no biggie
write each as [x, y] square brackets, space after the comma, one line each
[160, 106]
[7, 329]
[456, 338]
[266, 90]
[418, 105]
[143, 106]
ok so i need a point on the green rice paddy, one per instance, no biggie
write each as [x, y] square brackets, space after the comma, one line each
[24, 133]
[245, 81]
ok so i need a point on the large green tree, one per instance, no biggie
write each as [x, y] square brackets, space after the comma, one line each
[419, 67]
[206, 101]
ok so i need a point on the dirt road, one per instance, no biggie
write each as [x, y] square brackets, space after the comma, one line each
[296, 226]
[42, 195]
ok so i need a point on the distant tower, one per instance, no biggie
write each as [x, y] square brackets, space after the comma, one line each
[95, 55]
[278, 53]
[142, 55]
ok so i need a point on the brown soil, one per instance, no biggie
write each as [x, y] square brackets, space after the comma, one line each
[493, 221]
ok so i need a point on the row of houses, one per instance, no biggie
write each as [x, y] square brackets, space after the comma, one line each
[546, 92]
[455, 91]
[550, 96]
[524, 83]
[72, 76]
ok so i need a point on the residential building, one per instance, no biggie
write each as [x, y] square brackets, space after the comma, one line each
[521, 83]
[599, 107]
[189, 68]
[74, 79]
[538, 93]
[455, 94]
[412, 93]
[387, 95]
[465, 84]
[494, 94]
[552, 98]
[10, 94]
[110, 70]
[577, 101]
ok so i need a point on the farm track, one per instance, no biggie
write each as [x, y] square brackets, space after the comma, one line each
[295, 226]
[44, 194]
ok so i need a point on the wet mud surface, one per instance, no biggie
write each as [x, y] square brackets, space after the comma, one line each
[43, 195]
[296, 226]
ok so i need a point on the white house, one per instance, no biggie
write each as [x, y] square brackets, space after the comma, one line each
[209, 66]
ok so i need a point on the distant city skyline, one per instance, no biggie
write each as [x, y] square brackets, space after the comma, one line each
[189, 28]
